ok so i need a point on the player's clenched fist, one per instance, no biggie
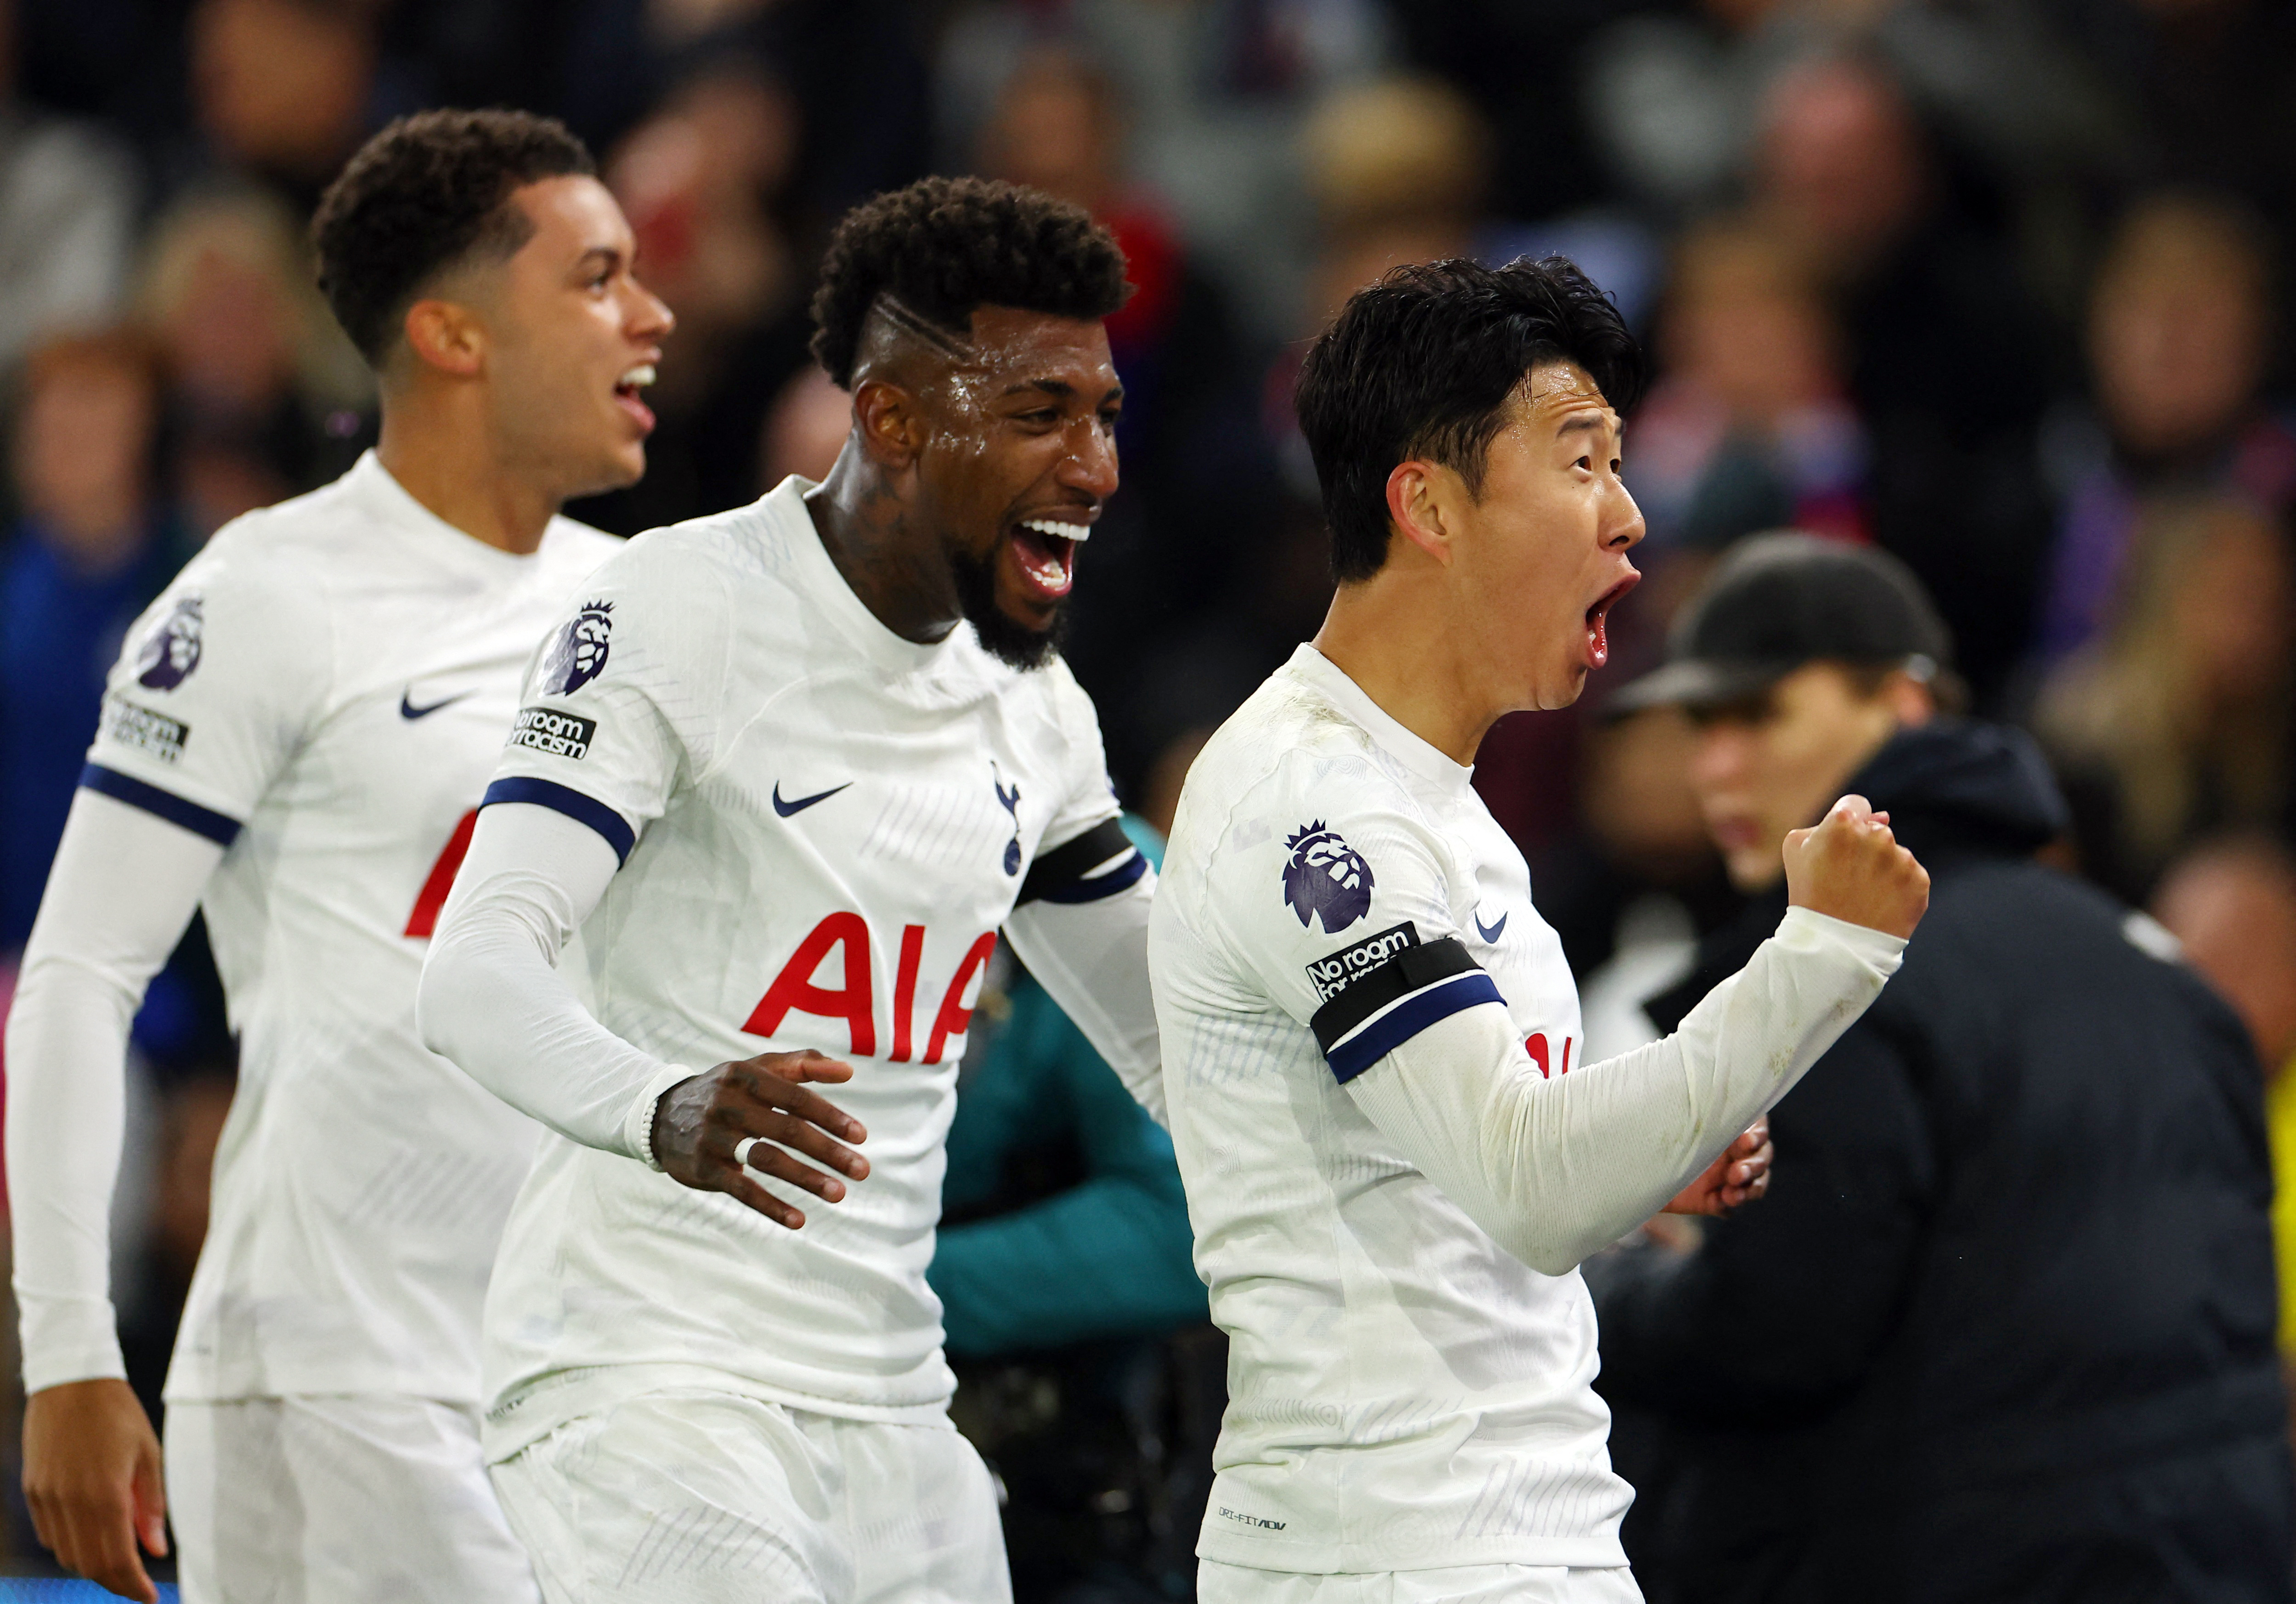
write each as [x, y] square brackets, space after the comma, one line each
[711, 1130]
[1848, 865]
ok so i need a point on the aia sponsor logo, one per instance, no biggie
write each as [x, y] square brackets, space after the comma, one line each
[1539, 1053]
[841, 952]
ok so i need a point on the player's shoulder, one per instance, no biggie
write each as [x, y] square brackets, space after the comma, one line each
[1288, 747]
[305, 537]
[744, 549]
[574, 549]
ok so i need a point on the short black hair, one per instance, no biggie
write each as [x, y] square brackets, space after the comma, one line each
[945, 246]
[421, 196]
[1426, 363]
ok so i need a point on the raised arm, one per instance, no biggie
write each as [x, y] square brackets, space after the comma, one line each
[1555, 1168]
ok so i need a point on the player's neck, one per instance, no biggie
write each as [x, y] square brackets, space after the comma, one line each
[450, 463]
[1406, 657]
[866, 527]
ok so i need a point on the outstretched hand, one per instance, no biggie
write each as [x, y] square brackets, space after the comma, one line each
[711, 1130]
[1740, 1175]
[1848, 865]
[92, 1478]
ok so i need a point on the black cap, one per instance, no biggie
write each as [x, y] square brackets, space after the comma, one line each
[1778, 600]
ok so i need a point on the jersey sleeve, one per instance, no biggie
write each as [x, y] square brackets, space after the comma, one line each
[1085, 855]
[622, 699]
[1334, 891]
[216, 688]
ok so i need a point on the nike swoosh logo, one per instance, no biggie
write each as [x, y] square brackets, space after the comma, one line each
[787, 807]
[1492, 934]
[408, 709]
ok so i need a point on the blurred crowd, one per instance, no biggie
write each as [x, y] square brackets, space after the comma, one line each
[2001, 286]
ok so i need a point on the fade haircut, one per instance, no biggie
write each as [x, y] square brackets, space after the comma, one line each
[943, 247]
[428, 194]
[1427, 363]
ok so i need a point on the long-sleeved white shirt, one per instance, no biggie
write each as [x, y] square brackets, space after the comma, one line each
[294, 738]
[740, 816]
[1395, 1154]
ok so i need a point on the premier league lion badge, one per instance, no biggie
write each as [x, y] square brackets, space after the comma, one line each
[1326, 879]
[578, 655]
[173, 651]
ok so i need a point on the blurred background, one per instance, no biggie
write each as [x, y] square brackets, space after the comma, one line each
[1998, 285]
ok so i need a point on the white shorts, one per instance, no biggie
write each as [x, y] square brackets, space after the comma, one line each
[693, 1497]
[1217, 1584]
[356, 1499]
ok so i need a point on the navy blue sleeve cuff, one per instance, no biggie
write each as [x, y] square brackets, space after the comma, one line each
[566, 799]
[218, 828]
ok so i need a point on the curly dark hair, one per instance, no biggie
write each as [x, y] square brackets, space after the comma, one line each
[944, 246]
[421, 196]
[1424, 364]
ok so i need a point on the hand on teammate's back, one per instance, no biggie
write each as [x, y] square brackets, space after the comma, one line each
[700, 1124]
[92, 1478]
[1849, 865]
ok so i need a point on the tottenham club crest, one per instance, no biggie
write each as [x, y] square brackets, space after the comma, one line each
[1011, 799]
[173, 651]
[1326, 879]
[578, 655]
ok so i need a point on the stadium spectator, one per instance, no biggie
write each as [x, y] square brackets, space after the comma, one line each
[92, 547]
[2232, 904]
[2175, 722]
[68, 200]
[282, 88]
[704, 180]
[2002, 1328]
[2179, 335]
[804, 429]
[1949, 361]
[2208, 88]
[1751, 429]
[265, 396]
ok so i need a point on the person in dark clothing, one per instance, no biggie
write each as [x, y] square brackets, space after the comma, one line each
[2002, 1328]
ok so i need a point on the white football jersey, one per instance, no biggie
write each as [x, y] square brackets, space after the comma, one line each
[1404, 1393]
[823, 826]
[324, 690]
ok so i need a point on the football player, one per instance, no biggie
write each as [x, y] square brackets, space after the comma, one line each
[1395, 1158]
[779, 780]
[294, 739]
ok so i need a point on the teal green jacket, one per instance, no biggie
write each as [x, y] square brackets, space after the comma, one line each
[1110, 1256]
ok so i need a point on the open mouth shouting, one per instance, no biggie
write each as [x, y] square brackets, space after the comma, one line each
[1044, 557]
[625, 396]
[1598, 639]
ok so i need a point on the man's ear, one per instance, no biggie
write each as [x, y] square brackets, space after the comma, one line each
[1911, 703]
[447, 335]
[1419, 499]
[891, 424]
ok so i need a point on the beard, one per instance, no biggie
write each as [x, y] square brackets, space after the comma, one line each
[1014, 645]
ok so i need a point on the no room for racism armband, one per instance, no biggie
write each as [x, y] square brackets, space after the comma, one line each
[1389, 987]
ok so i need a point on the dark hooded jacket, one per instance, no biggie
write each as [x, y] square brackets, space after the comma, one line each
[2002, 1328]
